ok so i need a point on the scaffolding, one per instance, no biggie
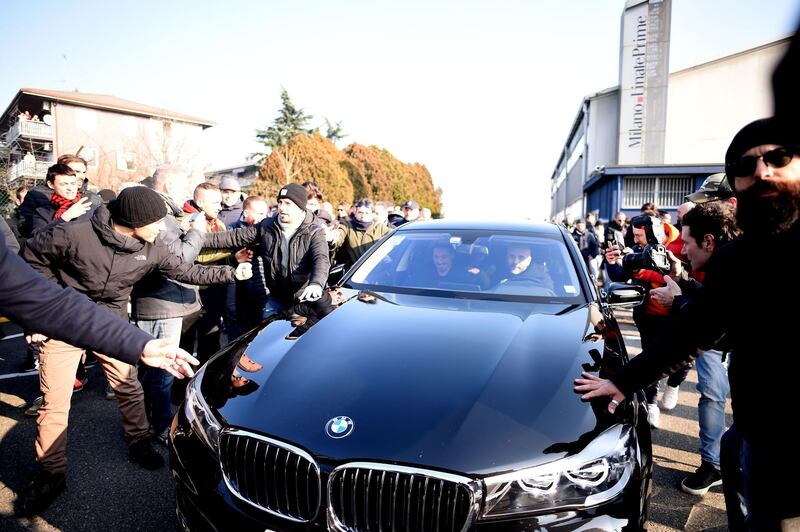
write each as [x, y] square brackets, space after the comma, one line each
[27, 132]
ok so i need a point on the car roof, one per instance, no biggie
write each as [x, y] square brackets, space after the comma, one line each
[525, 226]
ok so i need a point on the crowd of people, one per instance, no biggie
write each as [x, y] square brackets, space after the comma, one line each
[192, 273]
[195, 269]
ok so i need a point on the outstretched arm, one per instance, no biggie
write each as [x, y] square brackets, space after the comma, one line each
[234, 239]
[35, 303]
[160, 354]
[597, 387]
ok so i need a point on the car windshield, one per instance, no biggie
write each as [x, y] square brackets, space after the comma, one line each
[488, 264]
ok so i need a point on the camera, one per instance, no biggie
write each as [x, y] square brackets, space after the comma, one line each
[652, 257]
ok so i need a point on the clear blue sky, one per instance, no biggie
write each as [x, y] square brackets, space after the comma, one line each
[478, 91]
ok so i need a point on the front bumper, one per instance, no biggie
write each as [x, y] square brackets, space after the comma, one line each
[204, 502]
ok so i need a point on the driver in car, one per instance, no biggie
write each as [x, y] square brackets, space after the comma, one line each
[520, 265]
[443, 255]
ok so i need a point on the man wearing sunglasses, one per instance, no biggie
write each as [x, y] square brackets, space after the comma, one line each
[747, 284]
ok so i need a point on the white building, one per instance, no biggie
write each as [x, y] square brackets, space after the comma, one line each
[706, 105]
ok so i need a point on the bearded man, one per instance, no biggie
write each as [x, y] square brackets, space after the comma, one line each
[748, 283]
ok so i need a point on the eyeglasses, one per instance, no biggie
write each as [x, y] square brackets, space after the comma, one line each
[746, 166]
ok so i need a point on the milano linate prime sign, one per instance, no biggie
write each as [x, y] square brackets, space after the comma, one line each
[643, 78]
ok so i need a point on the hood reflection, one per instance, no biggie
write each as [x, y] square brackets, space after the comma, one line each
[226, 374]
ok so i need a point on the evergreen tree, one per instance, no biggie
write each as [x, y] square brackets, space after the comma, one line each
[291, 121]
[334, 132]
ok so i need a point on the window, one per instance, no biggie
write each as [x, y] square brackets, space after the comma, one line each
[126, 161]
[497, 265]
[666, 192]
[90, 154]
[575, 155]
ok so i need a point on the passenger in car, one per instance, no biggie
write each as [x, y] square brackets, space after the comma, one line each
[519, 262]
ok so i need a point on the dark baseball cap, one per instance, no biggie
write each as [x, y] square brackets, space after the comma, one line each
[715, 187]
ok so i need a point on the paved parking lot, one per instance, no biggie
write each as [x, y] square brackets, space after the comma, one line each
[106, 492]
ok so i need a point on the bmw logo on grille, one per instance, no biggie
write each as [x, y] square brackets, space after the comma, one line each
[339, 427]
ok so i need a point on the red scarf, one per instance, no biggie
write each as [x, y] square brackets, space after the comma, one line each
[62, 204]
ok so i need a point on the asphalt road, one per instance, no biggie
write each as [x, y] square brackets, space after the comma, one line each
[107, 492]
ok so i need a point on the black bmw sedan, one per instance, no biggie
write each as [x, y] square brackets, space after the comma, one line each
[437, 395]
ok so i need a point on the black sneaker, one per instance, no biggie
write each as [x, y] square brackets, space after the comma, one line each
[42, 491]
[162, 438]
[142, 452]
[699, 482]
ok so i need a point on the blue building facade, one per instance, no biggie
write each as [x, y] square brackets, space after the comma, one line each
[626, 188]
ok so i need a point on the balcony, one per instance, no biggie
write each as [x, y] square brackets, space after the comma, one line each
[29, 129]
[36, 170]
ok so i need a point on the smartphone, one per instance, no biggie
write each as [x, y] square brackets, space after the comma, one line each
[194, 217]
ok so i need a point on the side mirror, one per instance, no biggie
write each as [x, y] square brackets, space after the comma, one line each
[336, 274]
[621, 295]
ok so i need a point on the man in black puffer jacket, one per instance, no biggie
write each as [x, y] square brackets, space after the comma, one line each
[101, 258]
[294, 250]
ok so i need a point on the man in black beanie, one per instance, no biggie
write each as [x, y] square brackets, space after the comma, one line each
[101, 258]
[294, 249]
[763, 166]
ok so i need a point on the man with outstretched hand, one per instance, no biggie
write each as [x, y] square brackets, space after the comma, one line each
[101, 257]
[764, 167]
[31, 300]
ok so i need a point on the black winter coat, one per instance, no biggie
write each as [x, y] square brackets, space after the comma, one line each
[155, 297]
[309, 261]
[43, 217]
[39, 196]
[760, 330]
[31, 301]
[94, 259]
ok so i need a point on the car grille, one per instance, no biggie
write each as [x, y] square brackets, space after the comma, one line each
[271, 475]
[376, 497]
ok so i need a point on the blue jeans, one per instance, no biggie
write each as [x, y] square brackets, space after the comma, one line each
[271, 306]
[157, 383]
[712, 383]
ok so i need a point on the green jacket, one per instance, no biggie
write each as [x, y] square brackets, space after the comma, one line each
[351, 244]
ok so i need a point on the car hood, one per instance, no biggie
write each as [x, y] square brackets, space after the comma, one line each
[471, 387]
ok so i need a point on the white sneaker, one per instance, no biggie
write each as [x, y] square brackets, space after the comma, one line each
[669, 399]
[653, 415]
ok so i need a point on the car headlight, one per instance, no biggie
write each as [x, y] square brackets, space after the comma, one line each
[199, 415]
[593, 476]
